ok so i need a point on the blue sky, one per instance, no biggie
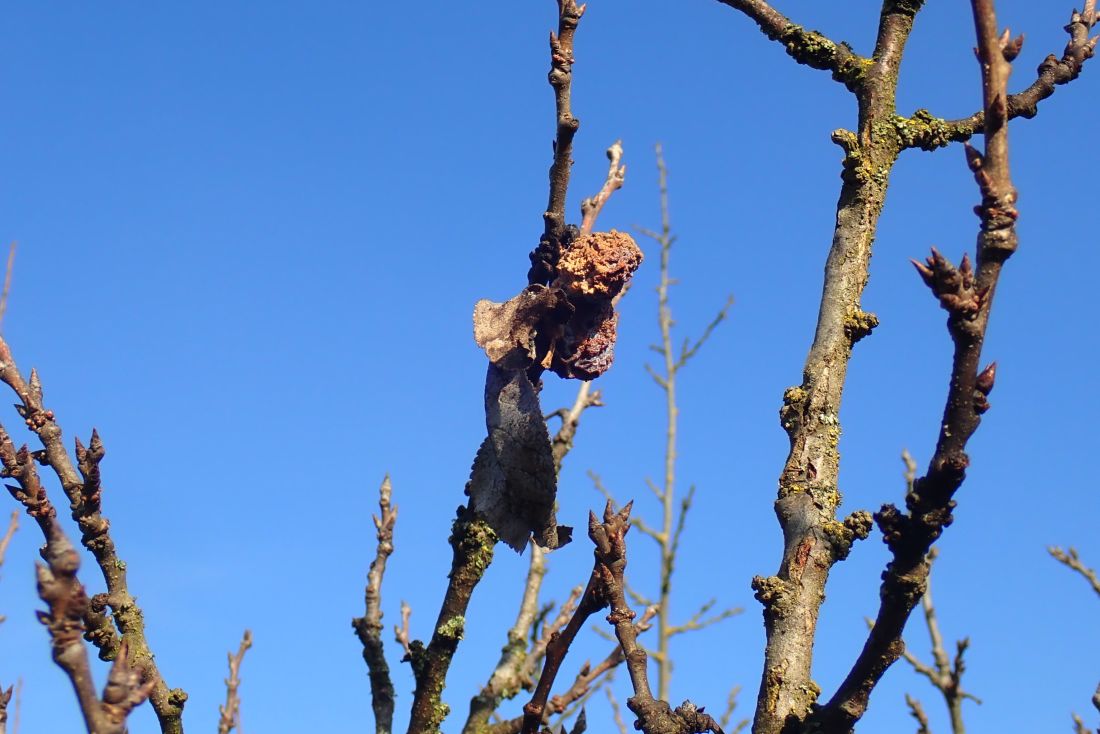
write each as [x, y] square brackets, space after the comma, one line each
[250, 239]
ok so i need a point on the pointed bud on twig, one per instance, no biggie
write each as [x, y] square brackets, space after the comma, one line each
[986, 379]
[95, 445]
[1012, 49]
[36, 385]
[973, 157]
[924, 271]
[966, 271]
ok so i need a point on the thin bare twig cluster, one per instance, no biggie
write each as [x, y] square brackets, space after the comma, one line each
[944, 672]
[668, 532]
[71, 615]
[1071, 560]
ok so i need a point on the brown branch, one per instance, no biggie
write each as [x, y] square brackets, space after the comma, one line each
[655, 716]
[616, 175]
[562, 443]
[229, 715]
[5, 699]
[806, 47]
[100, 628]
[401, 631]
[369, 626]
[544, 258]
[58, 585]
[506, 679]
[917, 712]
[931, 132]
[1071, 560]
[592, 600]
[814, 538]
[967, 295]
[81, 484]
[946, 675]
[472, 542]
[588, 675]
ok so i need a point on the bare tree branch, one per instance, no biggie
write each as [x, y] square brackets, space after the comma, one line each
[369, 626]
[727, 715]
[506, 679]
[946, 675]
[229, 715]
[917, 712]
[562, 443]
[81, 484]
[806, 47]
[592, 600]
[616, 175]
[655, 716]
[545, 257]
[5, 699]
[926, 131]
[1071, 560]
[967, 295]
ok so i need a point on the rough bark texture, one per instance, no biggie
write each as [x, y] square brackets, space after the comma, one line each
[809, 486]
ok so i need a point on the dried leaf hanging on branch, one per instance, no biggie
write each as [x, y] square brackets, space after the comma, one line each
[567, 327]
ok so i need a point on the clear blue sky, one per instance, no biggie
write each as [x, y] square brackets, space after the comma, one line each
[250, 239]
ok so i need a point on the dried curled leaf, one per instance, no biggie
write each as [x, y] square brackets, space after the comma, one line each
[510, 332]
[513, 483]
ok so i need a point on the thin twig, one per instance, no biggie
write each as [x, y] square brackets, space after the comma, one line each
[506, 679]
[229, 715]
[13, 525]
[946, 674]
[401, 631]
[591, 601]
[369, 626]
[917, 712]
[727, 714]
[7, 284]
[616, 175]
[928, 132]
[672, 521]
[654, 715]
[806, 47]
[81, 483]
[562, 442]
[616, 712]
[1072, 560]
